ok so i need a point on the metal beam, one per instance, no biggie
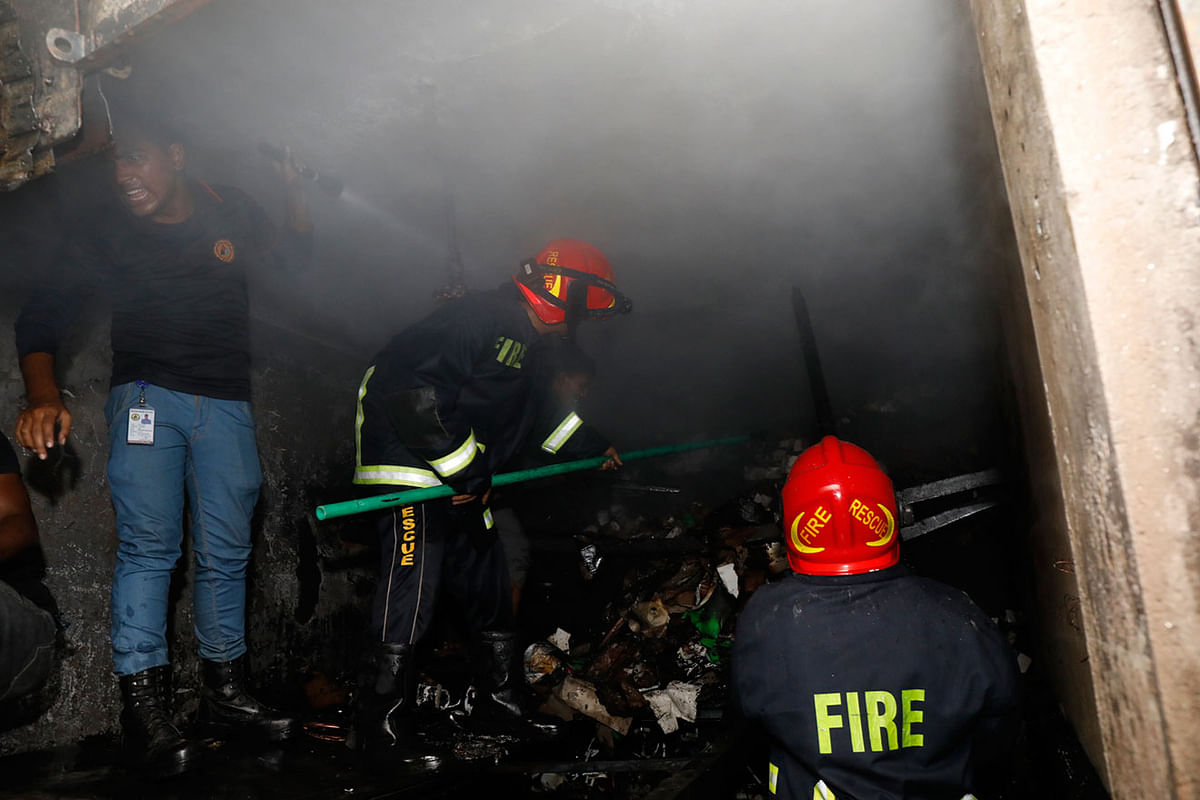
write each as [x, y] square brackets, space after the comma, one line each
[108, 25]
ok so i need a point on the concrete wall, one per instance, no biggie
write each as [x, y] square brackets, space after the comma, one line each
[305, 612]
[1103, 186]
[1046, 573]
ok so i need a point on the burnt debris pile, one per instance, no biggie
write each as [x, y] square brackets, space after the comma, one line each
[629, 620]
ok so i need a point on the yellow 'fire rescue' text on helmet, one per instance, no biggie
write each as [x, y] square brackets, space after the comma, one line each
[839, 512]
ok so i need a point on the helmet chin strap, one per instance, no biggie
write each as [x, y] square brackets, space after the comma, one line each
[576, 309]
[574, 306]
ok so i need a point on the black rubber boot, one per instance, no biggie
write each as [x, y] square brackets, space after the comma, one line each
[150, 742]
[503, 703]
[385, 709]
[225, 703]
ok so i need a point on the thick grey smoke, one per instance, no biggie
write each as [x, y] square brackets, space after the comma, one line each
[719, 152]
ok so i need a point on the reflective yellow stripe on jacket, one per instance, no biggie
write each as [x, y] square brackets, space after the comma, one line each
[565, 430]
[396, 476]
[400, 475]
[458, 459]
[358, 420]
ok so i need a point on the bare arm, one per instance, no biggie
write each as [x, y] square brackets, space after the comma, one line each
[45, 408]
[18, 530]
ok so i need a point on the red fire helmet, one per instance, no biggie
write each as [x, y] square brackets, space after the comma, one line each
[570, 278]
[839, 512]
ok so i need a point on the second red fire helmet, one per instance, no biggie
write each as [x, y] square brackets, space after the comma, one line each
[839, 512]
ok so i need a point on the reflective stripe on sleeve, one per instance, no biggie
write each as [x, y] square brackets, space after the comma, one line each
[396, 476]
[823, 792]
[358, 415]
[772, 778]
[488, 522]
[565, 430]
[458, 460]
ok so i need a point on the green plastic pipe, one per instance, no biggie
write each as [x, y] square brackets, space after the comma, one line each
[382, 501]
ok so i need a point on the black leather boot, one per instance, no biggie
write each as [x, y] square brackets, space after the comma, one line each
[225, 703]
[149, 740]
[384, 708]
[503, 703]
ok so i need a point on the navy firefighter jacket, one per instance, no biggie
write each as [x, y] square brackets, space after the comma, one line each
[878, 686]
[452, 397]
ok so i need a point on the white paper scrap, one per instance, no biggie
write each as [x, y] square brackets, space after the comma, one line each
[729, 578]
[561, 639]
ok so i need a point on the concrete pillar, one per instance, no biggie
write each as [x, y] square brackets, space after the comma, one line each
[1103, 184]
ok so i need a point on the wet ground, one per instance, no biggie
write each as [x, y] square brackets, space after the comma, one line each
[318, 765]
[713, 760]
[305, 768]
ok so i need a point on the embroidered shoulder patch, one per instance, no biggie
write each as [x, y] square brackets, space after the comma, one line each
[223, 250]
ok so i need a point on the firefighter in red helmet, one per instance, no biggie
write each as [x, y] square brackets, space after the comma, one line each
[569, 281]
[868, 680]
[446, 401]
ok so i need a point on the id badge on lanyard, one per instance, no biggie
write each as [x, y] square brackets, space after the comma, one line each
[141, 420]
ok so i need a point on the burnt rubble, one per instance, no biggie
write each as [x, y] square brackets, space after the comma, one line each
[631, 634]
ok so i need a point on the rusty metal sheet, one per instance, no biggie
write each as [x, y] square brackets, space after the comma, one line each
[19, 136]
[39, 100]
[46, 49]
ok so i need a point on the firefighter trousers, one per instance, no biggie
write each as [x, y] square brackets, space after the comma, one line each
[422, 555]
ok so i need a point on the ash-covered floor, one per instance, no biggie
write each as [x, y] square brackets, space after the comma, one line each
[630, 608]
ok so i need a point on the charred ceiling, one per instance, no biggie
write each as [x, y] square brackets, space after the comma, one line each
[47, 47]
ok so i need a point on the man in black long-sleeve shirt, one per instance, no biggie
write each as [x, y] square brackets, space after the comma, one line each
[173, 261]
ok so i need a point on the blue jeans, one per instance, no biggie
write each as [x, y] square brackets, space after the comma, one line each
[206, 449]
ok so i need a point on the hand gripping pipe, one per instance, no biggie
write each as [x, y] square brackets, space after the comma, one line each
[382, 501]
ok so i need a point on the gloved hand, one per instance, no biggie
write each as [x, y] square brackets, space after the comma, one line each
[473, 519]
